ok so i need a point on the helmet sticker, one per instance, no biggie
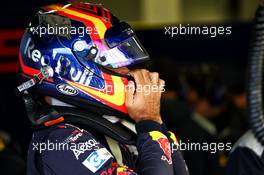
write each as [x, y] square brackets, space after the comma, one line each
[67, 90]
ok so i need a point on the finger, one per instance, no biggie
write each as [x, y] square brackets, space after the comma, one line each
[130, 90]
[154, 78]
[138, 77]
[161, 85]
[146, 76]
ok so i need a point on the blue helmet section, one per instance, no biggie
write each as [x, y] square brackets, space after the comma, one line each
[57, 52]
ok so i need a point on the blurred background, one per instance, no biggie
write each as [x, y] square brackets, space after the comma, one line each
[205, 77]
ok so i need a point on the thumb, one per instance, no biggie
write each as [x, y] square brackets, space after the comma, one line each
[130, 90]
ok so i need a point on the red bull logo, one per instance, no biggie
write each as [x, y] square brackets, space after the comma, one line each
[164, 145]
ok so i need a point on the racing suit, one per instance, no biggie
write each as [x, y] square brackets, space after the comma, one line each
[67, 150]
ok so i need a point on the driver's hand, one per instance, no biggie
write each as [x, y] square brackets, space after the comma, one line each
[143, 98]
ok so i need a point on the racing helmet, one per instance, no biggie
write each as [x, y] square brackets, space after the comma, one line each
[69, 50]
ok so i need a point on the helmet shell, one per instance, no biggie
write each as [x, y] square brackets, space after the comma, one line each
[76, 79]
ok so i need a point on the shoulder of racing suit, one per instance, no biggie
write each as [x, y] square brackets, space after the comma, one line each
[66, 149]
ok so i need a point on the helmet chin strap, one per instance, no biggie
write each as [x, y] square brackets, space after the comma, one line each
[40, 114]
[45, 73]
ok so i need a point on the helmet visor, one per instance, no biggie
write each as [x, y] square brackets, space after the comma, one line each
[128, 52]
[124, 48]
